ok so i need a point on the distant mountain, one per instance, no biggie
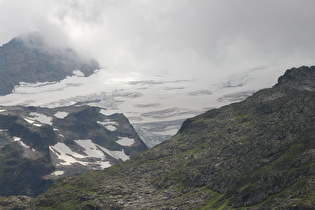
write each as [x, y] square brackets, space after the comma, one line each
[29, 59]
[256, 154]
[39, 145]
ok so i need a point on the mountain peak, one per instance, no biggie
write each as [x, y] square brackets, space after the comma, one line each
[256, 154]
[301, 78]
[28, 58]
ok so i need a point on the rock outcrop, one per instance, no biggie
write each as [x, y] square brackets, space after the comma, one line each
[256, 154]
[39, 145]
[29, 59]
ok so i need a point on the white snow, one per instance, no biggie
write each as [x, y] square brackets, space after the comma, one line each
[90, 148]
[125, 141]
[24, 145]
[146, 98]
[32, 122]
[57, 173]
[29, 121]
[69, 157]
[109, 124]
[115, 154]
[78, 73]
[41, 118]
[61, 114]
[15, 138]
[65, 154]
[2, 110]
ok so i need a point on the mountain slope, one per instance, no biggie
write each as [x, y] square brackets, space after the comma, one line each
[256, 154]
[28, 59]
[39, 145]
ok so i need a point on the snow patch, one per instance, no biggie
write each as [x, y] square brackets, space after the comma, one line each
[115, 154]
[57, 173]
[15, 138]
[32, 122]
[29, 121]
[2, 110]
[68, 157]
[125, 141]
[65, 154]
[61, 115]
[41, 118]
[109, 124]
[78, 73]
[90, 148]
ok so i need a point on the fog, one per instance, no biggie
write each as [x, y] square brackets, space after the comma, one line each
[192, 39]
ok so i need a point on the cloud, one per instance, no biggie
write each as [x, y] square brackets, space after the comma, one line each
[209, 38]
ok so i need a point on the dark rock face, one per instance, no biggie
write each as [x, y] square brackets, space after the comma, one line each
[256, 154]
[28, 59]
[39, 145]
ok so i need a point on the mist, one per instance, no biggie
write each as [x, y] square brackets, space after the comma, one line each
[191, 39]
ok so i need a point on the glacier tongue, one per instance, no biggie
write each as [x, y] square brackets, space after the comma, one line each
[148, 101]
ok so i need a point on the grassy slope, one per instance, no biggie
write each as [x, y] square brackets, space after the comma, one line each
[254, 154]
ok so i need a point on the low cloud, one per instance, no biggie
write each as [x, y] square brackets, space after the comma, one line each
[207, 39]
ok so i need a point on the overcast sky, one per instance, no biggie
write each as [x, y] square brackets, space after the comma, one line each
[172, 37]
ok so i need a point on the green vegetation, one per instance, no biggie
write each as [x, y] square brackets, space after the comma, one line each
[257, 154]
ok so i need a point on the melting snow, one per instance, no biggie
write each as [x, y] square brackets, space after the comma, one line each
[78, 73]
[15, 138]
[69, 157]
[109, 124]
[32, 122]
[66, 154]
[57, 173]
[61, 114]
[41, 118]
[29, 121]
[125, 141]
[115, 154]
[90, 148]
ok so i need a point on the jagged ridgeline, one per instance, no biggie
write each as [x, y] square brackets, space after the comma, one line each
[39, 145]
[256, 154]
[28, 58]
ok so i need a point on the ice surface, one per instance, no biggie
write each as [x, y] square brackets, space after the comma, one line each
[148, 98]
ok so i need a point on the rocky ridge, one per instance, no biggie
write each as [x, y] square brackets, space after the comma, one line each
[28, 58]
[39, 145]
[256, 154]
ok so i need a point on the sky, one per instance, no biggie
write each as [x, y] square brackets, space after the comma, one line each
[164, 60]
[191, 38]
